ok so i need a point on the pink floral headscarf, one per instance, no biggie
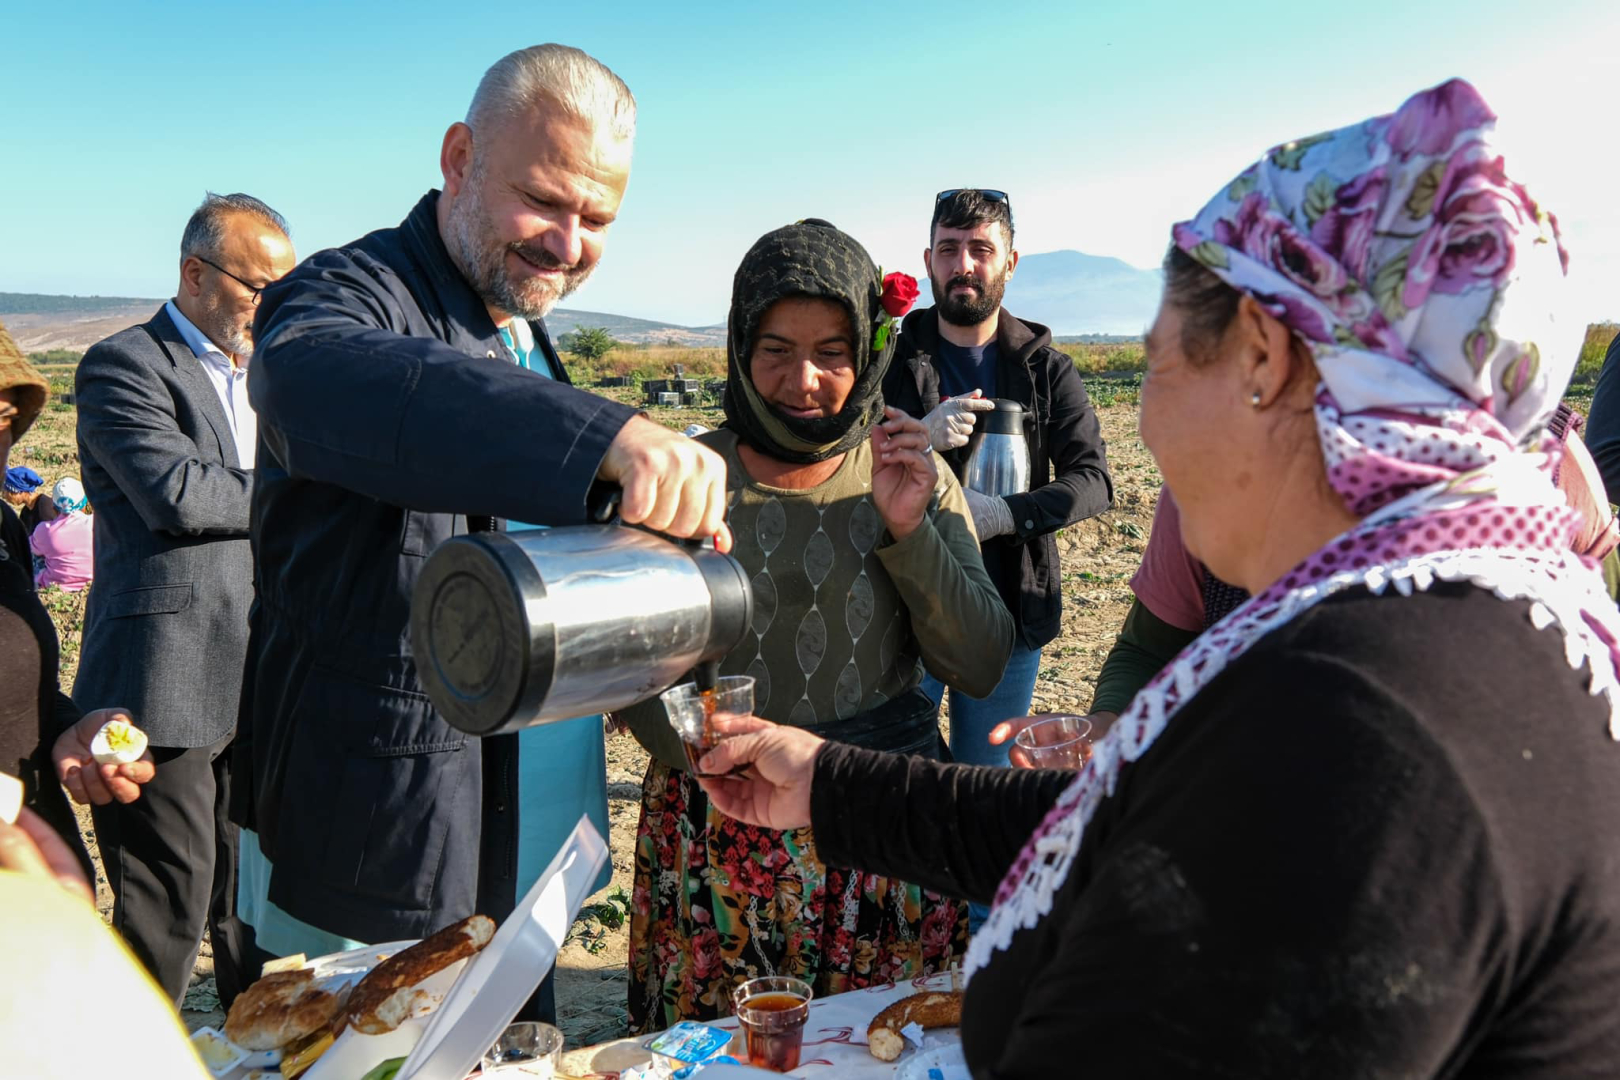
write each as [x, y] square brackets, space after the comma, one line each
[1423, 279]
[1418, 272]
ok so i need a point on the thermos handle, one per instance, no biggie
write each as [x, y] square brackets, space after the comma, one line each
[602, 508]
[602, 502]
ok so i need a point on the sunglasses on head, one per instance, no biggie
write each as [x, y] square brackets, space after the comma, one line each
[988, 193]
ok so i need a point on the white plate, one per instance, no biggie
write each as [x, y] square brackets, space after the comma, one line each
[356, 961]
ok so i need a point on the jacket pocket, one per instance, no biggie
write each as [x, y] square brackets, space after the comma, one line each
[152, 600]
[394, 782]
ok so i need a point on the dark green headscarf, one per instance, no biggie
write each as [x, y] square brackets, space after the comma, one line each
[810, 258]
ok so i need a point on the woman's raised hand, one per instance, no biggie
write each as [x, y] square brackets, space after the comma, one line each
[780, 761]
[903, 472]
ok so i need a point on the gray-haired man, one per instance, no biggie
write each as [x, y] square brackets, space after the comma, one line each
[166, 444]
[408, 391]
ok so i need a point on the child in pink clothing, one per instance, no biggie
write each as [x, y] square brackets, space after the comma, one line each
[64, 539]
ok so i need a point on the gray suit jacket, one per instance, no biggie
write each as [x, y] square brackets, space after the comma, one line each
[165, 629]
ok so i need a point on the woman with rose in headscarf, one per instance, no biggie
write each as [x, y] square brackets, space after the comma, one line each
[865, 568]
[1365, 826]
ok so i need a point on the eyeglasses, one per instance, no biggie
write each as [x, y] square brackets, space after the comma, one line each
[254, 289]
[988, 193]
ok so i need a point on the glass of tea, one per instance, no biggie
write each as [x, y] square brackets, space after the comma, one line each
[1061, 741]
[771, 1011]
[526, 1049]
[692, 713]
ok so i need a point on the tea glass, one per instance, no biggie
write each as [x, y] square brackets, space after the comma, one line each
[733, 696]
[1061, 741]
[525, 1049]
[771, 1010]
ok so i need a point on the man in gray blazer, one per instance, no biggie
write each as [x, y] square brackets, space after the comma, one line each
[167, 442]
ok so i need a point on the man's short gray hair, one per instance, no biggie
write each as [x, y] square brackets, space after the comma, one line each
[205, 232]
[575, 80]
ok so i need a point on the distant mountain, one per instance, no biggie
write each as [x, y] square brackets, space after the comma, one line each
[1076, 293]
[41, 321]
[1069, 291]
[637, 331]
[19, 303]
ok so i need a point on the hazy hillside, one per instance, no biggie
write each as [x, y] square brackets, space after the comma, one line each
[40, 322]
[1069, 291]
[638, 331]
[1076, 293]
[14, 303]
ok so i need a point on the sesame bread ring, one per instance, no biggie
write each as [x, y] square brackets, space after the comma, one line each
[934, 1009]
[383, 999]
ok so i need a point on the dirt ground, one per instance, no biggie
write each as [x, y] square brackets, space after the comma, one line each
[1098, 558]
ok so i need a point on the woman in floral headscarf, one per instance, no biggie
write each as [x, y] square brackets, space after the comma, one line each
[1365, 825]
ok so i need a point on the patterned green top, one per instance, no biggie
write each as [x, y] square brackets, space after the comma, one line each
[842, 613]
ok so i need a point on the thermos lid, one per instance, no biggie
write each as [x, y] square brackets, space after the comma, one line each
[1008, 419]
[471, 633]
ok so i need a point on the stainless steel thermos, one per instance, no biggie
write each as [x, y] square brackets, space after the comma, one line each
[998, 452]
[516, 629]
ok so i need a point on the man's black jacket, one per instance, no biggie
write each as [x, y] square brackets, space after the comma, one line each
[1068, 474]
[388, 413]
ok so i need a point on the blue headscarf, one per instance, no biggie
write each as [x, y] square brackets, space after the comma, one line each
[20, 480]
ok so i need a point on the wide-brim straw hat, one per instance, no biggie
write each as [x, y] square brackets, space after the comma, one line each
[16, 373]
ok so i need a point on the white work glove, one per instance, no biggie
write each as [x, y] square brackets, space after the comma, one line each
[991, 514]
[951, 422]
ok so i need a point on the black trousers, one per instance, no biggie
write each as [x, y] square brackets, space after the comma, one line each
[170, 857]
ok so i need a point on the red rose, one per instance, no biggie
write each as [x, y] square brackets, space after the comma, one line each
[899, 293]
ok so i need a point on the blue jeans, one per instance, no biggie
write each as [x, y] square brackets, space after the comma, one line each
[972, 719]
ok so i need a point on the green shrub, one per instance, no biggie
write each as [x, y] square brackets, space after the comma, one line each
[1593, 349]
[55, 356]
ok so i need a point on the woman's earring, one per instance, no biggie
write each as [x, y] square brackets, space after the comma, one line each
[1254, 399]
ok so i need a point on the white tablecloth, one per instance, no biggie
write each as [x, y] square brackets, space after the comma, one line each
[834, 1038]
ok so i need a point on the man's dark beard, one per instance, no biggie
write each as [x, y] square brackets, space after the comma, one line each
[968, 309]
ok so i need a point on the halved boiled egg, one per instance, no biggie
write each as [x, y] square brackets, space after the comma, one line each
[119, 742]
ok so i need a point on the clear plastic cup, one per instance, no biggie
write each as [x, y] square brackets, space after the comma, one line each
[1062, 741]
[692, 718]
[526, 1049]
[771, 1010]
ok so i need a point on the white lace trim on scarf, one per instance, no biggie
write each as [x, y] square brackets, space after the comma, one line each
[1563, 592]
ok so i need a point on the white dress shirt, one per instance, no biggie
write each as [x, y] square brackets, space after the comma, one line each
[230, 383]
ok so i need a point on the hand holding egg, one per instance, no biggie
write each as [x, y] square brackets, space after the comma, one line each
[103, 758]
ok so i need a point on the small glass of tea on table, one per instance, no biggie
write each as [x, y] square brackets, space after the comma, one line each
[692, 713]
[525, 1049]
[771, 1011]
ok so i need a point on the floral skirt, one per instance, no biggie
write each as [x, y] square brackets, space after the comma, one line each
[717, 902]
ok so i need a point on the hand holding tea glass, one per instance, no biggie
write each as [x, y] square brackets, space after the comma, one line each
[1046, 740]
[700, 718]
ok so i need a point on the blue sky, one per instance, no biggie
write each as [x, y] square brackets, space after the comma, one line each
[1105, 122]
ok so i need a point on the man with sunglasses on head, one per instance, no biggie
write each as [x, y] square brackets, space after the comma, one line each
[953, 360]
[167, 441]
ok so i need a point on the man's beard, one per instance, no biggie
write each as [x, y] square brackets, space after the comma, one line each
[225, 328]
[481, 255]
[967, 309]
